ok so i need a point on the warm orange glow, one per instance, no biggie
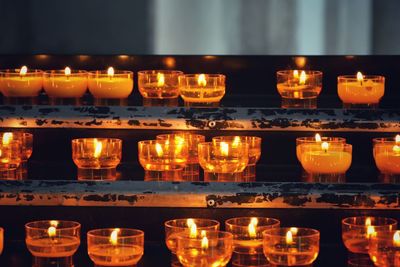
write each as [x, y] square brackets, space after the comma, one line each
[303, 77]
[236, 141]
[203, 233]
[189, 222]
[51, 231]
[370, 231]
[204, 243]
[67, 71]
[54, 223]
[224, 149]
[7, 137]
[201, 80]
[397, 139]
[294, 230]
[318, 137]
[110, 72]
[159, 150]
[360, 77]
[325, 146]
[368, 221]
[396, 149]
[396, 239]
[160, 79]
[114, 236]
[98, 147]
[252, 227]
[289, 237]
[296, 74]
[193, 230]
[23, 71]
[1, 153]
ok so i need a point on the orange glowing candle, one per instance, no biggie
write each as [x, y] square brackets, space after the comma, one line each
[21, 82]
[65, 83]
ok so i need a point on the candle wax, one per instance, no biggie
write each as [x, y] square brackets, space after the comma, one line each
[57, 247]
[106, 87]
[303, 91]
[65, 87]
[152, 90]
[356, 242]
[21, 86]
[292, 257]
[202, 258]
[388, 162]
[224, 165]
[367, 92]
[252, 246]
[115, 255]
[326, 162]
[202, 94]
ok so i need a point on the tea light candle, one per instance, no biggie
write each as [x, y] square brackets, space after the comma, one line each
[387, 156]
[247, 233]
[213, 248]
[161, 84]
[202, 89]
[299, 89]
[361, 91]
[110, 84]
[65, 83]
[223, 161]
[291, 246]
[115, 247]
[21, 82]
[10, 156]
[97, 158]
[52, 239]
[356, 231]
[193, 225]
[384, 248]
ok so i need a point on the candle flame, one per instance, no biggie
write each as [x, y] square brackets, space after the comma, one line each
[159, 150]
[224, 149]
[370, 231]
[318, 138]
[67, 71]
[296, 74]
[397, 139]
[7, 137]
[368, 221]
[303, 77]
[325, 146]
[396, 238]
[294, 230]
[203, 233]
[252, 227]
[236, 141]
[1, 153]
[360, 77]
[54, 223]
[98, 147]
[289, 237]
[396, 149]
[110, 72]
[193, 230]
[114, 236]
[51, 231]
[204, 243]
[160, 79]
[23, 71]
[189, 222]
[201, 80]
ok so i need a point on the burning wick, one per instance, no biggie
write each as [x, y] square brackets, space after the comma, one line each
[67, 72]
[325, 146]
[110, 72]
[360, 78]
[114, 236]
[23, 71]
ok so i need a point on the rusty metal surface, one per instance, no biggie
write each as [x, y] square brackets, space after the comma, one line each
[211, 195]
[180, 118]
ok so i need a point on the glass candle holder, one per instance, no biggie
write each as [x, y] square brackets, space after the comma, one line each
[159, 87]
[115, 247]
[384, 249]
[247, 233]
[202, 89]
[299, 88]
[326, 162]
[191, 171]
[356, 231]
[211, 248]
[254, 142]
[1, 240]
[21, 86]
[291, 246]
[359, 91]
[193, 225]
[97, 158]
[387, 158]
[65, 86]
[10, 156]
[223, 161]
[249, 260]
[110, 87]
[52, 241]
[163, 160]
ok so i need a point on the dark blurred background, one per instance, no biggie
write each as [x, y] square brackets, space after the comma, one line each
[200, 27]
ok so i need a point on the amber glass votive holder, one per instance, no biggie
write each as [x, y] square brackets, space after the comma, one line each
[299, 88]
[97, 158]
[196, 225]
[159, 87]
[10, 159]
[291, 246]
[356, 231]
[191, 171]
[326, 162]
[65, 88]
[211, 248]
[1, 240]
[110, 88]
[247, 233]
[384, 249]
[52, 242]
[21, 86]
[387, 158]
[163, 160]
[254, 142]
[223, 161]
[115, 246]
[202, 89]
[364, 93]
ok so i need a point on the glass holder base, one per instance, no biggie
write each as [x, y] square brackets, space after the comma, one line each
[65, 101]
[249, 260]
[111, 101]
[202, 104]
[160, 102]
[170, 175]
[249, 173]
[20, 100]
[52, 262]
[223, 177]
[109, 174]
[302, 103]
[361, 106]
[326, 177]
[389, 178]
